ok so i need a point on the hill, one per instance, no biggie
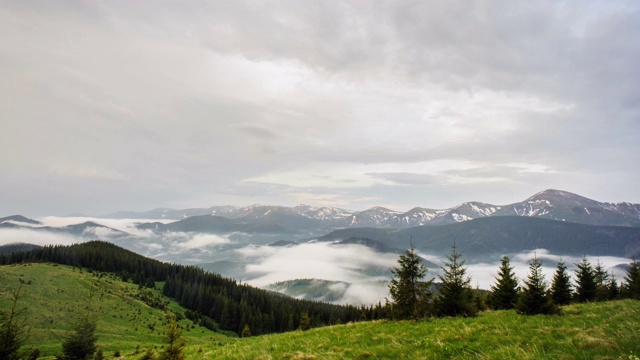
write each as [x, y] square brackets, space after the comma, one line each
[128, 316]
[130, 324]
[228, 303]
[591, 331]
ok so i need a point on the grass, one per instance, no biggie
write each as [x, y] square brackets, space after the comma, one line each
[608, 330]
[590, 331]
[56, 295]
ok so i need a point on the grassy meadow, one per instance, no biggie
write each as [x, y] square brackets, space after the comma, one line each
[609, 330]
[53, 296]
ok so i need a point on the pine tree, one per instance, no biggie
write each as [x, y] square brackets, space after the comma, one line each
[455, 296]
[561, 289]
[175, 342]
[246, 332]
[602, 282]
[410, 295]
[13, 329]
[586, 282]
[81, 344]
[305, 322]
[504, 294]
[632, 281]
[534, 298]
[613, 291]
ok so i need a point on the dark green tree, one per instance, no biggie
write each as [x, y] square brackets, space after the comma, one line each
[561, 288]
[455, 296]
[81, 343]
[246, 331]
[504, 294]
[613, 290]
[174, 342]
[631, 288]
[409, 293]
[13, 328]
[586, 285]
[305, 322]
[534, 298]
[602, 282]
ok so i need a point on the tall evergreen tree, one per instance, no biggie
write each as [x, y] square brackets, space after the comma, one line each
[631, 287]
[81, 343]
[504, 294]
[602, 282]
[409, 294]
[13, 328]
[586, 285]
[561, 288]
[174, 341]
[534, 298]
[613, 290]
[455, 296]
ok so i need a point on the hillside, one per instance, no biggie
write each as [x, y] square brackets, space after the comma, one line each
[590, 331]
[129, 325]
[52, 295]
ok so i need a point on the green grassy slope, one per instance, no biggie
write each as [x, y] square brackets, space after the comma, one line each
[608, 330]
[591, 331]
[57, 293]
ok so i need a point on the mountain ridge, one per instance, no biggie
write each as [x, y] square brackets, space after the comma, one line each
[551, 204]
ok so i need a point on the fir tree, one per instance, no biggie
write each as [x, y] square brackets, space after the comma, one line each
[613, 291]
[561, 289]
[455, 294]
[586, 282]
[534, 298]
[81, 344]
[632, 281]
[602, 282]
[408, 292]
[13, 328]
[504, 294]
[305, 322]
[246, 332]
[175, 342]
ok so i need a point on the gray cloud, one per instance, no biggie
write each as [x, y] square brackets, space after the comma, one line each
[134, 105]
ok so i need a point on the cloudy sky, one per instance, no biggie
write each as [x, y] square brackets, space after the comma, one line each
[132, 105]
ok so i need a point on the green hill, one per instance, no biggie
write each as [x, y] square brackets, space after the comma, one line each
[52, 294]
[608, 330]
[127, 316]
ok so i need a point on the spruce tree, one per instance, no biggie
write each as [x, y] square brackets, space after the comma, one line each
[632, 281]
[305, 321]
[13, 328]
[534, 298]
[409, 294]
[613, 291]
[455, 296]
[246, 331]
[504, 294]
[81, 343]
[561, 288]
[586, 285]
[602, 282]
[175, 342]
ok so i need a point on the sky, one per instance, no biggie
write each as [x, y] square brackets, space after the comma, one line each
[133, 105]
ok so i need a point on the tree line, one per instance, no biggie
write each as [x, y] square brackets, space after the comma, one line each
[413, 297]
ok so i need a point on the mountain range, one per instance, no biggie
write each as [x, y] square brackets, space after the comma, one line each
[548, 204]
